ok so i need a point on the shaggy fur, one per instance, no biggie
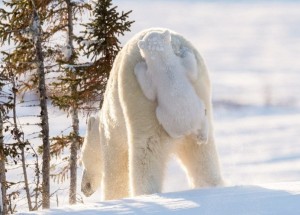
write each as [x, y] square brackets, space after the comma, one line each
[134, 146]
[167, 78]
[91, 149]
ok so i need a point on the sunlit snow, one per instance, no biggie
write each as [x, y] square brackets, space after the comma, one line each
[252, 51]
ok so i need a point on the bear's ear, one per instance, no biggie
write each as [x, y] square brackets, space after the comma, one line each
[91, 122]
[142, 44]
[167, 35]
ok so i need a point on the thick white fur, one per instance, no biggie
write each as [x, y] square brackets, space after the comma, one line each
[167, 78]
[91, 158]
[134, 146]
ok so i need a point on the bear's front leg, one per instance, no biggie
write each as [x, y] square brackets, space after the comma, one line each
[147, 159]
[144, 80]
[115, 179]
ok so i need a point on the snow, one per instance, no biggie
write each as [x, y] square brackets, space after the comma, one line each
[67, 52]
[80, 1]
[273, 199]
[252, 51]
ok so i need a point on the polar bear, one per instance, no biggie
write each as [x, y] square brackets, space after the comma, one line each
[134, 146]
[168, 78]
[91, 156]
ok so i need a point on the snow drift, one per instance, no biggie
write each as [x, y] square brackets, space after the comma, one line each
[273, 199]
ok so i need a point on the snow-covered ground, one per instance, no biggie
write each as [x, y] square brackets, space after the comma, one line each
[253, 52]
[275, 199]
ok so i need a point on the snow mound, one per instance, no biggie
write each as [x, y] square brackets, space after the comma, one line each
[279, 198]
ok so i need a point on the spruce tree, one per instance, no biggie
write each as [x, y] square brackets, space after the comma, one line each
[78, 85]
[44, 110]
[100, 43]
[21, 26]
[5, 107]
[83, 83]
[65, 88]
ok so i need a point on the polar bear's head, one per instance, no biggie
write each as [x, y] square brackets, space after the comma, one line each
[91, 158]
[155, 44]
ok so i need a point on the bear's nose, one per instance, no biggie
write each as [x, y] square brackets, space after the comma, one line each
[86, 189]
[88, 186]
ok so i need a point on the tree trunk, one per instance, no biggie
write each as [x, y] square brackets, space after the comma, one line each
[3, 206]
[73, 157]
[74, 115]
[44, 115]
[37, 184]
[26, 180]
[21, 145]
